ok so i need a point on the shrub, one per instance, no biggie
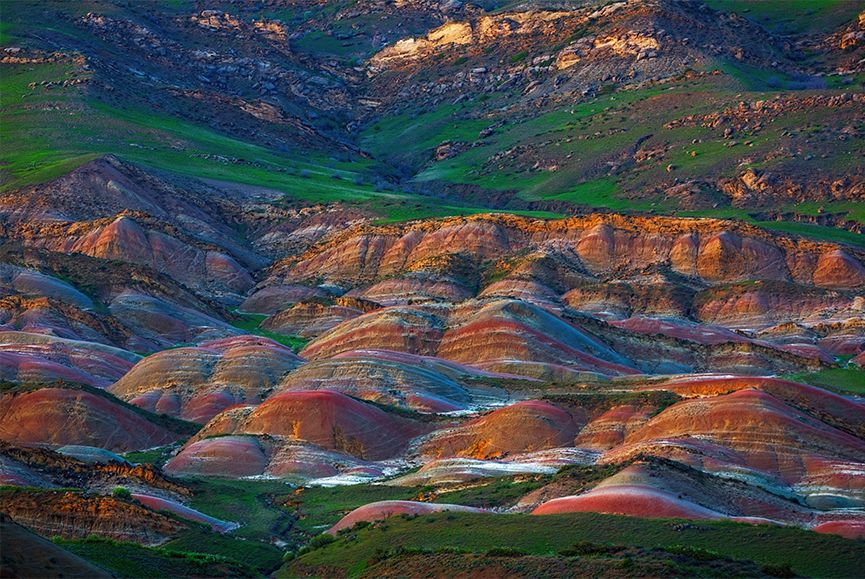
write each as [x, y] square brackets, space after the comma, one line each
[784, 570]
[320, 541]
[587, 549]
[505, 552]
[121, 493]
[695, 553]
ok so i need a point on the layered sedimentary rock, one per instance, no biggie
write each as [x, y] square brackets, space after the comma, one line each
[62, 416]
[273, 456]
[124, 239]
[309, 319]
[327, 419]
[522, 427]
[42, 359]
[75, 516]
[747, 430]
[198, 383]
[397, 379]
[712, 250]
[397, 328]
[503, 334]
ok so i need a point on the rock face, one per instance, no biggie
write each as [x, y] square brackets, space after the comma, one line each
[272, 456]
[634, 501]
[327, 419]
[397, 379]
[501, 335]
[124, 239]
[522, 427]
[62, 416]
[165, 323]
[74, 516]
[398, 328]
[766, 435]
[198, 383]
[309, 319]
[41, 359]
[710, 249]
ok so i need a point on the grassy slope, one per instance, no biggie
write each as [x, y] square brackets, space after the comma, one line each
[580, 140]
[547, 535]
[251, 323]
[849, 380]
[49, 131]
[792, 16]
[133, 560]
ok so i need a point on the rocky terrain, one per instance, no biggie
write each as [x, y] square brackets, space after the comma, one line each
[295, 288]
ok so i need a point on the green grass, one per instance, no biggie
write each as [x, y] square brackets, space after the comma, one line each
[818, 232]
[254, 554]
[251, 322]
[849, 380]
[68, 129]
[133, 560]
[155, 456]
[5, 34]
[319, 507]
[792, 16]
[255, 504]
[546, 535]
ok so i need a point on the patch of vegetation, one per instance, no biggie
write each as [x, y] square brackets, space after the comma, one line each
[254, 554]
[255, 504]
[598, 401]
[251, 323]
[792, 16]
[848, 380]
[155, 456]
[318, 508]
[549, 534]
[494, 492]
[133, 560]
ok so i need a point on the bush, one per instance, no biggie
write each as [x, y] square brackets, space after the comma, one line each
[587, 549]
[321, 540]
[505, 552]
[783, 571]
[695, 553]
[121, 493]
[521, 55]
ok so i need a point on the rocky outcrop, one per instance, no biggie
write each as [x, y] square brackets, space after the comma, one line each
[522, 427]
[198, 383]
[608, 245]
[43, 359]
[326, 419]
[403, 329]
[396, 379]
[76, 516]
[61, 416]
